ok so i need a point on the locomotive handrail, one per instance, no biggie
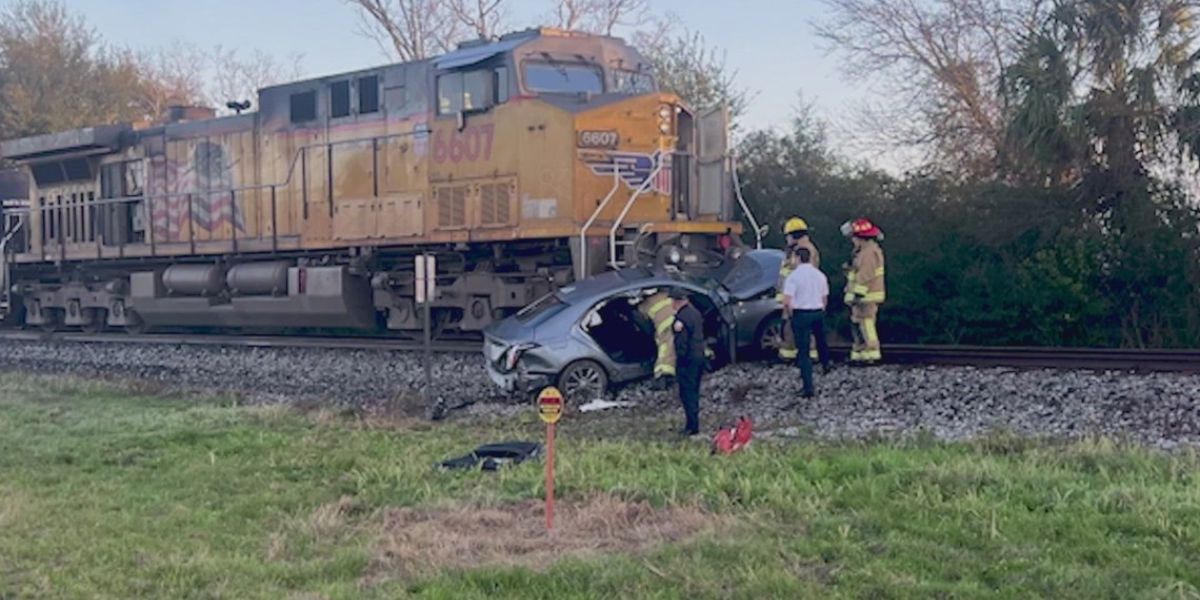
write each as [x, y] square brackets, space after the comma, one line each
[5, 293]
[583, 270]
[737, 189]
[612, 233]
[261, 186]
[232, 191]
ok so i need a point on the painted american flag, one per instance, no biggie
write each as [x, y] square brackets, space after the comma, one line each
[177, 185]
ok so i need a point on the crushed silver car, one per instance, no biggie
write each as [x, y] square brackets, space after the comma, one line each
[589, 338]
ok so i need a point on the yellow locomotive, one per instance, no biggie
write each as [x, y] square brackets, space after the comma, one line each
[522, 163]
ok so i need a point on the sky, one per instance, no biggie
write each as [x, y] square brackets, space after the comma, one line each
[770, 44]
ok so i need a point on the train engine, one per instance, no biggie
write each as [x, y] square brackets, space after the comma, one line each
[522, 163]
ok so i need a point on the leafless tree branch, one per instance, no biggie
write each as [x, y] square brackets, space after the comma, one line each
[411, 30]
[944, 60]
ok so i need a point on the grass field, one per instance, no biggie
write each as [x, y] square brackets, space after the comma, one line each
[107, 493]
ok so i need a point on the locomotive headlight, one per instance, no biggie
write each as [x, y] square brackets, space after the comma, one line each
[665, 112]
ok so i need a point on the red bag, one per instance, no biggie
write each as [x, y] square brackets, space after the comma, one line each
[731, 439]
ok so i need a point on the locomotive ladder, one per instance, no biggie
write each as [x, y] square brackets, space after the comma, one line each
[614, 260]
[5, 286]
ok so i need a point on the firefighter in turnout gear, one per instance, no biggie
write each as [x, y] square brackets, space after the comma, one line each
[864, 289]
[795, 232]
[661, 311]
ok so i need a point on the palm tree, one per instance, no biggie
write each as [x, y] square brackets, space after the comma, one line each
[1103, 91]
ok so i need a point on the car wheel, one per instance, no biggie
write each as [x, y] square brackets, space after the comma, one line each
[770, 336]
[583, 381]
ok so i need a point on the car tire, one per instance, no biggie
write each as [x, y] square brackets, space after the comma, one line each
[583, 381]
[769, 336]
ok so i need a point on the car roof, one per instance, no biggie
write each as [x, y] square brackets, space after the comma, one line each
[618, 281]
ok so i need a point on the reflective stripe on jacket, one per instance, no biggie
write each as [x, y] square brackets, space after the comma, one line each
[865, 281]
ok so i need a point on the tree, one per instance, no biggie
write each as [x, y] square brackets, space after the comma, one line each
[599, 16]
[1105, 92]
[409, 30]
[239, 74]
[940, 64]
[173, 75]
[485, 19]
[1107, 89]
[56, 75]
[685, 64]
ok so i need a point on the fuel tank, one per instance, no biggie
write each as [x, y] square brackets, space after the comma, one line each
[194, 280]
[259, 279]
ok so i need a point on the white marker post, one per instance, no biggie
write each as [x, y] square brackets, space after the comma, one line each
[426, 293]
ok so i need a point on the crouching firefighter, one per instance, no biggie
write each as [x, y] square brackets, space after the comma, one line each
[659, 308]
[864, 289]
[795, 232]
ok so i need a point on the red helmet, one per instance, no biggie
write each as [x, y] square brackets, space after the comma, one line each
[860, 228]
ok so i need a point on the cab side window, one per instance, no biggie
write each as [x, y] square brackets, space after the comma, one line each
[450, 93]
[474, 90]
[368, 94]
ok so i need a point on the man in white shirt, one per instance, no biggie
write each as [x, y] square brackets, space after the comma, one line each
[805, 295]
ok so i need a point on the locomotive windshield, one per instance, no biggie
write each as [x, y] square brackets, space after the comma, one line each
[631, 82]
[563, 78]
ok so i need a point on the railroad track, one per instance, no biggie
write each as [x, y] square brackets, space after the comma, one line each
[1115, 359]
[244, 341]
[1185, 361]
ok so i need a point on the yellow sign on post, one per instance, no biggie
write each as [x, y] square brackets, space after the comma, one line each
[550, 405]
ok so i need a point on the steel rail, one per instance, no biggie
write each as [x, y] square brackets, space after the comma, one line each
[1101, 359]
[244, 341]
[1114, 359]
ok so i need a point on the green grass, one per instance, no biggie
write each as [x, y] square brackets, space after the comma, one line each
[104, 493]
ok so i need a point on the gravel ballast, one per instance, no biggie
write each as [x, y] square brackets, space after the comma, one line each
[949, 403]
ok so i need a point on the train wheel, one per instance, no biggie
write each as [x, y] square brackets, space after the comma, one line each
[97, 322]
[134, 323]
[53, 319]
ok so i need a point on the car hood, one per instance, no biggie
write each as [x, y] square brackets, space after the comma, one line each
[755, 273]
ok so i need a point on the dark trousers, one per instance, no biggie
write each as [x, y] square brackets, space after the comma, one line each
[688, 375]
[805, 323]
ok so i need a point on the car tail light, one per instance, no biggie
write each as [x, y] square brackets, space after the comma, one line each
[514, 354]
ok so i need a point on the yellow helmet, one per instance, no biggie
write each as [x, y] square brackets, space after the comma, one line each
[793, 225]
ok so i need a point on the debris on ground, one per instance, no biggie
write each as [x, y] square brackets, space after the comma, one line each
[599, 404]
[490, 457]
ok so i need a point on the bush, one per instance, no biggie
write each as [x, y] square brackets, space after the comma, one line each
[990, 263]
